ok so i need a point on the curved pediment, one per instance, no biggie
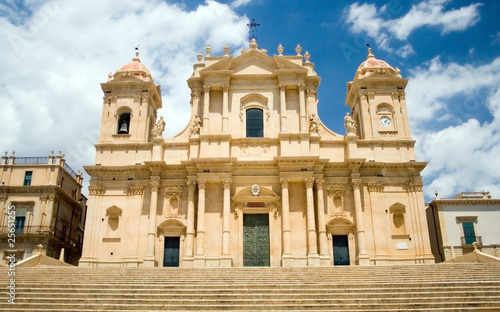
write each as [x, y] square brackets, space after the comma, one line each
[171, 227]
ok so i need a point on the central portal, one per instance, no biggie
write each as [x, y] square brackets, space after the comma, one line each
[256, 240]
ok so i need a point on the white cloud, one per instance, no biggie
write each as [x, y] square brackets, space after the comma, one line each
[406, 51]
[239, 3]
[461, 153]
[381, 24]
[52, 64]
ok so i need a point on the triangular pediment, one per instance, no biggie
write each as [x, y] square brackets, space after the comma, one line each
[253, 63]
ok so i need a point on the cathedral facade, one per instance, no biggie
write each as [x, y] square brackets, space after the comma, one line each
[255, 178]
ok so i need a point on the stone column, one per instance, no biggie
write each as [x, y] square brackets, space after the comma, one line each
[323, 246]
[312, 255]
[150, 259]
[3, 200]
[360, 228]
[283, 107]
[206, 103]
[190, 219]
[226, 226]
[200, 232]
[225, 107]
[302, 108]
[285, 223]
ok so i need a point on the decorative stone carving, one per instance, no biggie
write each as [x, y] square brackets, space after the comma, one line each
[402, 96]
[313, 124]
[395, 95]
[158, 128]
[319, 183]
[280, 50]
[195, 126]
[284, 182]
[206, 89]
[96, 190]
[350, 124]
[309, 182]
[282, 87]
[255, 190]
[371, 95]
[356, 183]
[375, 187]
[226, 183]
[225, 88]
[135, 190]
[336, 195]
[301, 87]
[155, 185]
[202, 184]
[414, 186]
[191, 184]
[311, 93]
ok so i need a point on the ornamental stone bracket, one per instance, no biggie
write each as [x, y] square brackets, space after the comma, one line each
[135, 190]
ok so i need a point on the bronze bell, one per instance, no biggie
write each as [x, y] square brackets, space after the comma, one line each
[123, 128]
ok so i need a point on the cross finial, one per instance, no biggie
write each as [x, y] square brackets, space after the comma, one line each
[253, 29]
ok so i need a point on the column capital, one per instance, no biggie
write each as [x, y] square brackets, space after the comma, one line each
[225, 88]
[355, 183]
[311, 92]
[282, 86]
[301, 87]
[202, 184]
[191, 184]
[309, 182]
[195, 95]
[226, 183]
[284, 182]
[206, 88]
[320, 183]
[155, 185]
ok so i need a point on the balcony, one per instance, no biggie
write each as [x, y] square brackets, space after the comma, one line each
[469, 241]
[35, 231]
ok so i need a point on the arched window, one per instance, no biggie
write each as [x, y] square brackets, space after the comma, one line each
[124, 123]
[255, 124]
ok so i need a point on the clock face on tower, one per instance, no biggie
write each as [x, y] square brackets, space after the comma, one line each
[385, 121]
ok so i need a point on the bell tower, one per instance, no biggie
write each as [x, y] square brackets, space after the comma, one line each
[131, 101]
[377, 100]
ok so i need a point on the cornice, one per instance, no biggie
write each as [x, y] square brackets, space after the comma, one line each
[464, 202]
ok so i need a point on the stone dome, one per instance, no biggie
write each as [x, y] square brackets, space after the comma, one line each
[371, 65]
[136, 68]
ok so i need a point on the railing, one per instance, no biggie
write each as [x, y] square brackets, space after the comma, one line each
[70, 171]
[469, 241]
[31, 160]
[41, 230]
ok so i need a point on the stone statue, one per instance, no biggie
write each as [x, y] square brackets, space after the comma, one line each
[349, 124]
[158, 128]
[313, 124]
[196, 126]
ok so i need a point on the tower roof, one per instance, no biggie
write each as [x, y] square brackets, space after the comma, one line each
[136, 68]
[371, 64]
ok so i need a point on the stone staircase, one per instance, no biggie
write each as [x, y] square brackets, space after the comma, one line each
[436, 287]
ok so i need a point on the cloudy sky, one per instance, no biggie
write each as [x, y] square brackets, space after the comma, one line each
[55, 53]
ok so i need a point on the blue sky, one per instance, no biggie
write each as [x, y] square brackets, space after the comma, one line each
[56, 52]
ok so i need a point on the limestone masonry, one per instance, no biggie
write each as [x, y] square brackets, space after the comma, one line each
[255, 178]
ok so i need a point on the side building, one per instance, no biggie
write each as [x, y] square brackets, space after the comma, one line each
[255, 178]
[41, 200]
[456, 224]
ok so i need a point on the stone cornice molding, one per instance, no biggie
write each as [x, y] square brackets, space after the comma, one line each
[462, 202]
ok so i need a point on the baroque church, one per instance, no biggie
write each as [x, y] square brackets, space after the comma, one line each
[255, 178]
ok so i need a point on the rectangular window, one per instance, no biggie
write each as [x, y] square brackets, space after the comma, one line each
[469, 233]
[255, 124]
[19, 225]
[27, 178]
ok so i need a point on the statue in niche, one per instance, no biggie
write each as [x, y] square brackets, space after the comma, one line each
[349, 124]
[158, 128]
[196, 126]
[313, 124]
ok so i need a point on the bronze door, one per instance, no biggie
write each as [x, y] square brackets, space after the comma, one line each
[256, 240]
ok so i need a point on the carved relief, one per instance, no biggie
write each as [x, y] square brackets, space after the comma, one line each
[282, 87]
[371, 95]
[355, 183]
[226, 183]
[195, 126]
[202, 184]
[155, 185]
[313, 124]
[311, 93]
